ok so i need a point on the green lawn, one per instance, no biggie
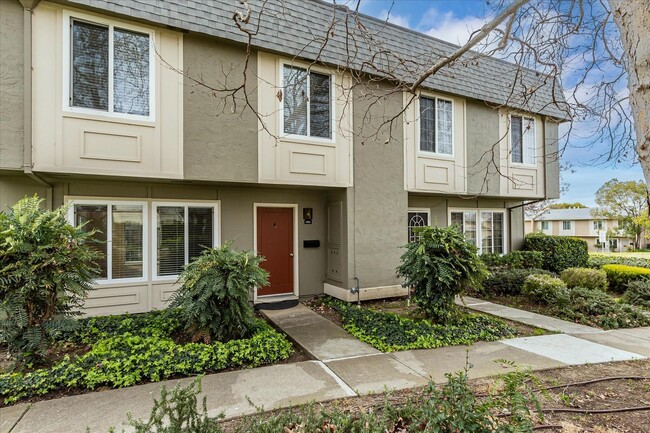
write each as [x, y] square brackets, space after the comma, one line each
[640, 255]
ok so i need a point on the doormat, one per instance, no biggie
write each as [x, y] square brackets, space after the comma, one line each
[282, 305]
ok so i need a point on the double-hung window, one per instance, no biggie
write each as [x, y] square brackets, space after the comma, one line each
[307, 102]
[416, 218]
[522, 140]
[436, 126]
[120, 234]
[182, 233]
[110, 68]
[485, 229]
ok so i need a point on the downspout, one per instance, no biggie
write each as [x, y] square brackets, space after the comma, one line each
[28, 7]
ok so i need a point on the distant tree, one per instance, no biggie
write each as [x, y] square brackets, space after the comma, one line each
[576, 205]
[626, 202]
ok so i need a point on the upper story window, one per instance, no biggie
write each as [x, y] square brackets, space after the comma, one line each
[545, 225]
[566, 225]
[599, 225]
[110, 68]
[436, 126]
[307, 102]
[522, 140]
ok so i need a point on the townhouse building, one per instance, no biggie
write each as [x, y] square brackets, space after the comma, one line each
[582, 223]
[122, 109]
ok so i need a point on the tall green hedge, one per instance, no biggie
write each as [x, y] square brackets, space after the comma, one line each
[560, 252]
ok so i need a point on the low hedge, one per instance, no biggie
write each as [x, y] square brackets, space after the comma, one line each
[509, 282]
[637, 293]
[546, 289]
[619, 276]
[514, 260]
[146, 352]
[598, 260]
[585, 277]
[391, 332]
[560, 252]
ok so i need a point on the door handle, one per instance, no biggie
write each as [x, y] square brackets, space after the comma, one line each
[290, 254]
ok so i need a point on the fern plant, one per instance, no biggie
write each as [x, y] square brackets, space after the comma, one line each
[46, 270]
[213, 300]
[439, 266]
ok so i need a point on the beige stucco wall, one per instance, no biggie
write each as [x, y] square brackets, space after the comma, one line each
[11, 85]
[483, 149]
[220, 142]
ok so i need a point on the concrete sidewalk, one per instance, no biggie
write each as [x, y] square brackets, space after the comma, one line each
[343, 369]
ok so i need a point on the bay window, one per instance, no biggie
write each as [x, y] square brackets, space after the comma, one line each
[306, 102]
[483, 228]
[110, 68]
[436, 126]
[522, 140]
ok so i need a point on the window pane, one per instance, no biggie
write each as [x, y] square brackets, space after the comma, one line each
[529, 141]
[127, 241]
[416, 219]
[486, 232]
[295, 100]
[470, 226]
[515, 139]
[95, 218]
[444, 127]
[457, 220]
[171, 240]
[497, 225]
[319, 105]
[427, 125]
[89, 65]
[199, 230]
[131, 72]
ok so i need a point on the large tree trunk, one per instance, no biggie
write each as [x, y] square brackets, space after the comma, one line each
[632, 17]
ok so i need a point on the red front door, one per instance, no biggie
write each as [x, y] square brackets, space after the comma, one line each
[275, 243]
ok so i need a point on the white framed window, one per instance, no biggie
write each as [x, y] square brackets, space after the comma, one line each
[484, 228]
[182, 231]
[545, 225]
[436, 125]
[599, 225]
[566, 225]
[522, 140]
[417, 218]
[108, 68]
[121, 229]
[307, 102]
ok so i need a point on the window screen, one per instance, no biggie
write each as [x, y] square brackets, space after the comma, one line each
[444, 143]
[171, 240]
[319, 105]
[199, 231]
[427, 125]
[295, 100]
[131, 72]
[90, 65]
[516, 144]
[95, 217]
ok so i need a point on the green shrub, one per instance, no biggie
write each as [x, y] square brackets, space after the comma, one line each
[546, 289]
[619, 276]
[584, 277]
[598, 260]
[213, 299]
[509, 282]
[594, 307]
[391, 332]
[513, 260]
[637, 293]
[439, 266]
[46, 270]
[560, 252]
[147, 354]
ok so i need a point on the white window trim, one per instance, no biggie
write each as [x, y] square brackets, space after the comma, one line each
[68, 17]
[109, 235]
[426, 153]
[419, 210]
[479, 226]
[523, 147]
[307, 138]
[216, 230]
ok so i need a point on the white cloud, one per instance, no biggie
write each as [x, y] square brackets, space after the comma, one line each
[449, 27]
[399, 20]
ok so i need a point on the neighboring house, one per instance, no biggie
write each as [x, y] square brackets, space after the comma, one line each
[580, 223]
[95, 113]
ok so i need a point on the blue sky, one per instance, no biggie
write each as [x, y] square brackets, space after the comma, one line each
[454, 21]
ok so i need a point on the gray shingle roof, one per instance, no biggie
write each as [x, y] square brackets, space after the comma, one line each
[575, 214]
[297, 28]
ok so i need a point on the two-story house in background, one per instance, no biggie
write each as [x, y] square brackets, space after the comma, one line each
[106, 106]
[581, 223]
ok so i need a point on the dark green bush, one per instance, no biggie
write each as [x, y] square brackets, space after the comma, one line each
[560, 252]
[213, 299]
[46, 270]
[125, 352]
[598, 260]
[619, 276]
[439, 266]
[391, 332]
[637, 293]
[546, 289]
[594, 307]
[509, 282]
[513, 260]
[585, 277]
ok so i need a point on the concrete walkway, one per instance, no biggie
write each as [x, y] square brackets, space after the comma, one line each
[342, 369]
